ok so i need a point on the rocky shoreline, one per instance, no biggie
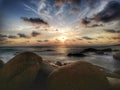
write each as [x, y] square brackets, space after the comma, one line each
[27, 71]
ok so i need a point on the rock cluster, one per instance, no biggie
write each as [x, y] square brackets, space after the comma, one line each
[27, 71]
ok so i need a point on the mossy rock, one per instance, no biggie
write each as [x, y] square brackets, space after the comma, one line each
[20, 72]
[78, 76]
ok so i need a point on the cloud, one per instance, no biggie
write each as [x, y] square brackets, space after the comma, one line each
[12, 36]
[85, 21]
[93, 3]
[2, 39]
[46, 40]
[109, 13]
[21, 35]
[2, 35]
[39, 41]
[95, 25]
[112, 31]
[74, 1]
[35, 21]
[116, 38]
[87, 38]
[35, 33]
[74, 11]
[59, 2]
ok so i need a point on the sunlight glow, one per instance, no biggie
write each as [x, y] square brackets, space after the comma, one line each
[62, 38]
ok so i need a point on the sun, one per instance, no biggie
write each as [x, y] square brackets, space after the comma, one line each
[62, 38]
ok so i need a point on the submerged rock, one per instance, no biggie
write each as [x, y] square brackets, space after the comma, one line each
[116, 55]
[76, 55]
[26, 71]
[78, 76]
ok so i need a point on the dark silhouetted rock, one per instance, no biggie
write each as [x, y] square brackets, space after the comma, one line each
[76, 55]
[89, 50]
[78, 76]
[100, 53]
[26, 71]
[1, 63]
[96, 50]
[116, 55]
[58, 63]
[107, 50]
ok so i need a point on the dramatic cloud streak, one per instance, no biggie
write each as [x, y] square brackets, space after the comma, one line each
[109, 13]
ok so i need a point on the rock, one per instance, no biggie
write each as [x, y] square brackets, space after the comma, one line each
[76, 55]
[89, 50]
[107, 50]
[20, 72]
[100, 53]
[1, 64]
[116, 55]
[96, 50]
[117, 71]
[26, 71]
[114, 82]
[40, 82]
[78, 76]
[58, 63]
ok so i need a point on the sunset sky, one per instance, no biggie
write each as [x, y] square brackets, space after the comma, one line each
[59, 22]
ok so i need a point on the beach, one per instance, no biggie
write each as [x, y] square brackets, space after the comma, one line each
[40, 64]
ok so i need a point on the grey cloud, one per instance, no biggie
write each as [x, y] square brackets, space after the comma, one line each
[59, 2]
[46, 40]
[12, 37]
[109, 13]
[35, 21]
[87, 38]
[35, 33]
[112, 31]
[21, 35]
[74, 11]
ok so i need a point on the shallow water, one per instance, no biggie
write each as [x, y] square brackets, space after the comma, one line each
[54, 54]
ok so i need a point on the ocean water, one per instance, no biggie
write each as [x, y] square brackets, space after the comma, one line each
[54, 54]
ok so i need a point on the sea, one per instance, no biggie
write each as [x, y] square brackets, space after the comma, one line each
[54, 54]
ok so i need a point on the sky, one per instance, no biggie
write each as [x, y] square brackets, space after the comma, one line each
[59, 22]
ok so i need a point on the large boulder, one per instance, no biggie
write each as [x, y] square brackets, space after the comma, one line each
[40, 82]
[116, 55]
[78, 76]
[115, 83]
[20, 72]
